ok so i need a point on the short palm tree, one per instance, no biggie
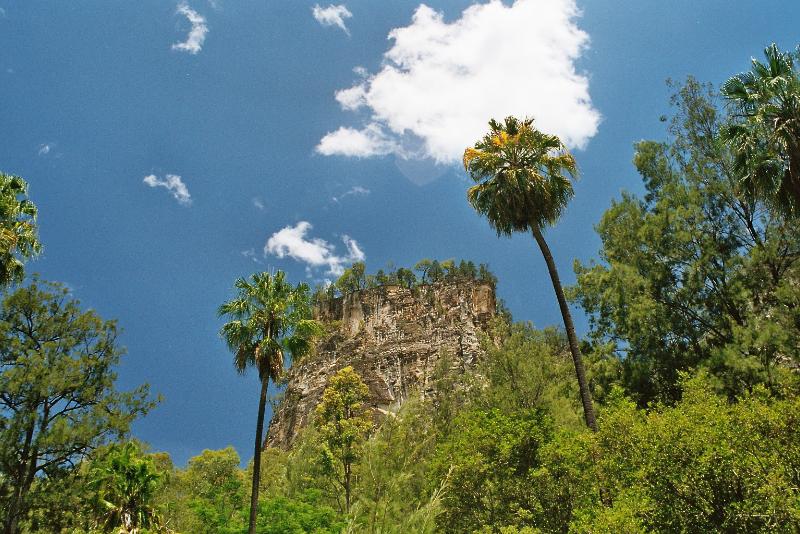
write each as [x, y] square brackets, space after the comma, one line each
[269, 319]
[523, 183]
[126, 484]
[18, 234]
[765, 134]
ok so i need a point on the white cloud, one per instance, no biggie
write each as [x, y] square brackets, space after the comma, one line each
[44, 149]
[197, 34]
[367, 142]
[356, 191]
[258, 203]
[332, 16]
[441, 82]
[291, 241]
[173, 184]
[251, 254]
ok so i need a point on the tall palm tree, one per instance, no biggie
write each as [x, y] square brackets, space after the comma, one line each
[269, 319]
[18, 235]
[523, 183]
[766, 137]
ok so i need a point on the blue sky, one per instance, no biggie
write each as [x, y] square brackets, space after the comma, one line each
[166, 143]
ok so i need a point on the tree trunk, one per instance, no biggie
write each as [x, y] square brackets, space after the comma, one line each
[262, 402]
[586, 397]
[20, 492]
[347, 487]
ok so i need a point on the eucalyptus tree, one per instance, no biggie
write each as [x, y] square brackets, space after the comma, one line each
[766, 137]
[523, 183]
[270, 319]
[343, 423]
[19, 239]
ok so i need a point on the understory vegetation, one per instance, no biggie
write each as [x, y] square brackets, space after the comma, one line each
[692, 371]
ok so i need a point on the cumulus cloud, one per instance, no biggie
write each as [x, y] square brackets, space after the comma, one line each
[442, 81]
[356, 191]
[364, 143]
[44, 149]
[197, 33]
[316, 253]
[332, 16]
[173, 184]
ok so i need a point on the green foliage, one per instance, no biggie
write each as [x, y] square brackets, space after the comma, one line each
[487, 460]
[19, 240]
[343, 424]
[352, 279]
[704, 465]
[765, 129]
[693, 274]
[394, 496]
[527, 368]
[58, 400]
[281, 515]
[355, 278]
[125, 483]
[215, 490]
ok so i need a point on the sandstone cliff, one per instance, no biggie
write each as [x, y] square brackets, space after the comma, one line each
[394, 338]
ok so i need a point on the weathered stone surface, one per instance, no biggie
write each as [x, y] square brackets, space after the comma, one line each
[394, 338]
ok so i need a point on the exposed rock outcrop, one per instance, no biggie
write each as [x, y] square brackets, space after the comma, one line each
[394, 338]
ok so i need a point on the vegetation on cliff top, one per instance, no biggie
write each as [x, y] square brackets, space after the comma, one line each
[425, 272]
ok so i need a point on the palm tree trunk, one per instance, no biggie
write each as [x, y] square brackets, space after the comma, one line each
[586, 397]
[262, 403]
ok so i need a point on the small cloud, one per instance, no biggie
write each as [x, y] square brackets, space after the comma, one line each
[197, 34]
[291, 241]
[173, 184]
[332, 16]
[2, 13]
[356, 191]
[251, 254]
[258, 203]
[365, 143]
[44, 149]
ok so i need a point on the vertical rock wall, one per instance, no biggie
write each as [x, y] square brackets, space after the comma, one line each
[394, 338]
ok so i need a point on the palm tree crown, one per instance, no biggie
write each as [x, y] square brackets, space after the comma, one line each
[765, 136]
[18, 234]
[523, 176]
[269, 318]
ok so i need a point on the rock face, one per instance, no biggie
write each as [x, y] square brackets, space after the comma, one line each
[394, 338]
